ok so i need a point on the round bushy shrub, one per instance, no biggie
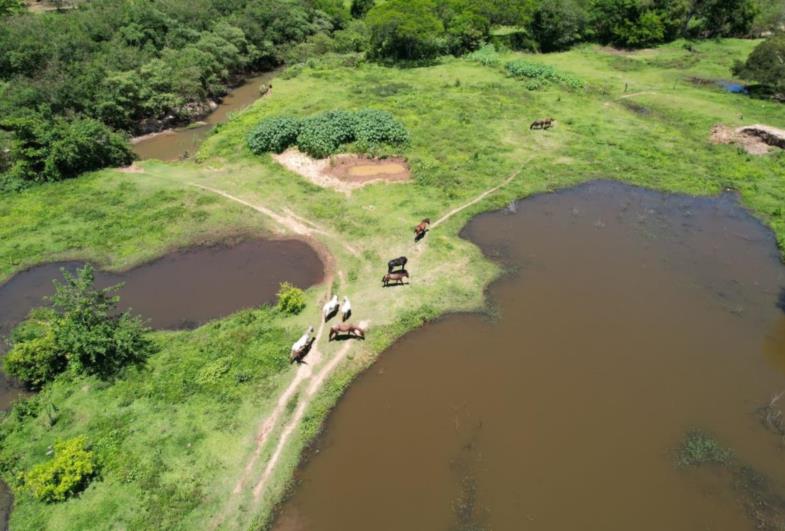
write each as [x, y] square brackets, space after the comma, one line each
[274, 134]
[66, 474]
[374, 127]
[321, 135]
[291, 299]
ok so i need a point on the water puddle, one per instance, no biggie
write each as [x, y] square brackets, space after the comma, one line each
[631, 317]
[183, 142]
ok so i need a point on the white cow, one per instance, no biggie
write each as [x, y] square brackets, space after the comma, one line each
[300, 343]
[346, 308]
[330, 307]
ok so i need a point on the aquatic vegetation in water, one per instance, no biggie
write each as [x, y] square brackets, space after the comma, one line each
[700, 448]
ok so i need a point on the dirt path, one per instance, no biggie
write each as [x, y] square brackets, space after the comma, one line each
[290, 221]
[476, 200]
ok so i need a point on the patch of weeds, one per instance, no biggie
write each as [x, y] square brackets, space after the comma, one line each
[541, 73]
[700, 448]
[487, 55]
[386, 90]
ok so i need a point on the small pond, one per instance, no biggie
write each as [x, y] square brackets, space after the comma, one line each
[630, 318]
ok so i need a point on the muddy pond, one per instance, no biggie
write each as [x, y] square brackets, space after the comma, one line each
[182, 289]
[628, 319]
[183, 142]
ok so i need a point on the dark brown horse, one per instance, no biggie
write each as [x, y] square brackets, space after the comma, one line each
[297, 356]
[347, 330]
[396, 277]
[397, 262]
[421, 229]
[545, 123]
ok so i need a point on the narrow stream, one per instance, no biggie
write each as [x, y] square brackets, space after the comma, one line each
[631, 318]
[183, 142]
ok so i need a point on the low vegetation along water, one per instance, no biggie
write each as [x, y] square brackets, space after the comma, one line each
[629, 319]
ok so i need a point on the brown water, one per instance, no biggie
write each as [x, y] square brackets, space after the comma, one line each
[180, 290]
[631, 317]
[185, 141]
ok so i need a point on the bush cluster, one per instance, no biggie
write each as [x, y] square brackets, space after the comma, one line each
[83, 332]
[66, 474]
[323, 134]
[540, 73]
[487, 55]
[274, 134]
[291, 299]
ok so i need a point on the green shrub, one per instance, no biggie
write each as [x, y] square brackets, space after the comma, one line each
[322, 135]
[487, 55]
[699, 448]
[291, 299]
[274, 134]
[374, 127]
[542, 73]
[36, 361]
[66, 474]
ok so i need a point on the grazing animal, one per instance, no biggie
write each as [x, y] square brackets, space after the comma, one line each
[396, 277]
[346, 330]
[545, 123]
[397, 262]
[346, 308]
[297, 356]
[303, 339]
[421, 229]
[330, 307]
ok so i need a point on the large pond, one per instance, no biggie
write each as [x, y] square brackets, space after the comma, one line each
[630, 318]
[185, 141]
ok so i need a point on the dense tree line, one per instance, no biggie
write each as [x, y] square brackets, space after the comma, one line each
[131, 65]
[421, 29]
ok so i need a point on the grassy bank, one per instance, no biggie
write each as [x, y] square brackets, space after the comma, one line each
[173, 437]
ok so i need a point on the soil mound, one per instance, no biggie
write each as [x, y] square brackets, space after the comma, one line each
[754, 139]
[345, 172]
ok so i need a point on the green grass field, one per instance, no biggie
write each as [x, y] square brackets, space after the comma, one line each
[173, 437]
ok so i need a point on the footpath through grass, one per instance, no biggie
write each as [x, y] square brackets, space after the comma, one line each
[173, 437]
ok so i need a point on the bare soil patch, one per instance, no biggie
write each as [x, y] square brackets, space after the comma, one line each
[345, 172]
[754, 139]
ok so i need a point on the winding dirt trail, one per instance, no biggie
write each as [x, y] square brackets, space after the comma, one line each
[476, 200]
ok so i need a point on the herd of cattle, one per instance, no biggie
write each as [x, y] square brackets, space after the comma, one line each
[396, 273]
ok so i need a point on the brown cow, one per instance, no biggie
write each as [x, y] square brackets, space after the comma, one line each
[346, 330]
[396, 277]
[545, 123]
[421, 229]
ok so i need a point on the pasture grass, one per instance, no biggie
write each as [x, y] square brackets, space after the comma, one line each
[175, 435]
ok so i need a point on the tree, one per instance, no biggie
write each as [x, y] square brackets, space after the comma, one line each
[720, 18]
[9, 7]
[95, 337]
[626, 23]
[405, 30]
[83, 332]
[558, 24]
[44, 151]
[360, 8]
[766, 64]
